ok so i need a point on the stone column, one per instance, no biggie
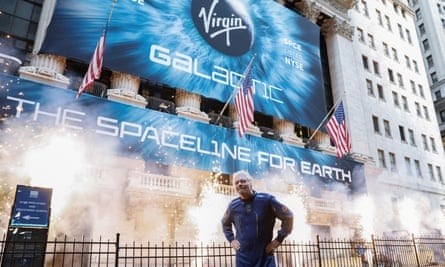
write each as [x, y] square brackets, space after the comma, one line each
[189, 105]
[46, 69]
[286, 129]
[345, 83]
[323, 142]
[124, 88]
[252, 129]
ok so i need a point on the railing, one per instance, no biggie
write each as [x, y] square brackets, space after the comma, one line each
[163, 183]
[323, 204]
[381, 252]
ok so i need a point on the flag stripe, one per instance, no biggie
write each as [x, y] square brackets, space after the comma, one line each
[95, 67]
[338, 131]
[244, 102]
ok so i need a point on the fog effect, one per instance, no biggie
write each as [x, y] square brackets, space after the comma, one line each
[93, 195]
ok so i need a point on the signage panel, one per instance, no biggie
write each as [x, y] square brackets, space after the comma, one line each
[31, 207]
[203, 47]
[168, 139]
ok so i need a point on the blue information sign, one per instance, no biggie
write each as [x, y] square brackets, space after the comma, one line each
[31, 207]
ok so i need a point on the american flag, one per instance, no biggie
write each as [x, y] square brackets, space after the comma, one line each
[244, 102]
[338, 131]
[95, 67]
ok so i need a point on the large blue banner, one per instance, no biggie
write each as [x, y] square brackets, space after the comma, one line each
[167, 138]
[202, 46]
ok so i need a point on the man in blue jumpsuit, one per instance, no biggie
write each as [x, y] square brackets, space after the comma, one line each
[253, 215]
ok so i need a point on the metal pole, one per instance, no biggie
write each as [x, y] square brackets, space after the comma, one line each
[415, 250]
[116, 259]
[324, 119]
[235, 91]
[319, 251]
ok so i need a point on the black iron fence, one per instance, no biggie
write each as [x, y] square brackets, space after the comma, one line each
[380, 252]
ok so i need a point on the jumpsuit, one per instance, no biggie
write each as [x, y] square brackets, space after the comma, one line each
[254, 220]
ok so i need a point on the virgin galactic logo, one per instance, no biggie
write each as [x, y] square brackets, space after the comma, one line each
[224, 24]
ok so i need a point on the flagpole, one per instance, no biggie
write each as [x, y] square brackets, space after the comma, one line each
[95, 66]
[111, 12]
[324, 119]
[235, 91]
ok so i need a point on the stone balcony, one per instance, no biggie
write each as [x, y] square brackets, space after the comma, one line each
[143, 182]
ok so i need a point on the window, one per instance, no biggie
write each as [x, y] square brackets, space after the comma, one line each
[400, 31]
[390, 75]
[439, 174]
[395, 98]
[392, 162]
[408, 167]
[418, 14]
[402, 133]
[416, 67]
[425, 143]
[433, 144]
[437, 95]
[434, 77]
[422, 29]
[375, 123]
[407, 62]
[365, 8]
[442, 115]
[386, 49]
[371, 40]
[370, 88]
[381, 157]
[365, 62]
[417, 168]
[19, 21]
[426, 114]
[429, 61]
[412, 140]
[421, 91]
[387, 128]
[405, 103]
[396, 8]
[408, 36]
[426, 45]
[380, 92]
[388, 23]
[413, 87]
[431, 172]
[418, 112]
[361, 37]
[394, 54]
[379, 17]
[375, 64]
[400, 80]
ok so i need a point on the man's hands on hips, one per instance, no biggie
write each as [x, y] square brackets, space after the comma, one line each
[272, 246]
[235, 244]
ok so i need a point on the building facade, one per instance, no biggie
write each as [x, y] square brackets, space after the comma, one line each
[430, 26]
[371, 60]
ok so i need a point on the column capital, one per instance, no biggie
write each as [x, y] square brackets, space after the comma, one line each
[337, 26]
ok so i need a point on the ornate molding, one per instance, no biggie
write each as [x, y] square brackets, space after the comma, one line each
[312, 8]
[309, 9]
[342, 5]
[336, 26]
